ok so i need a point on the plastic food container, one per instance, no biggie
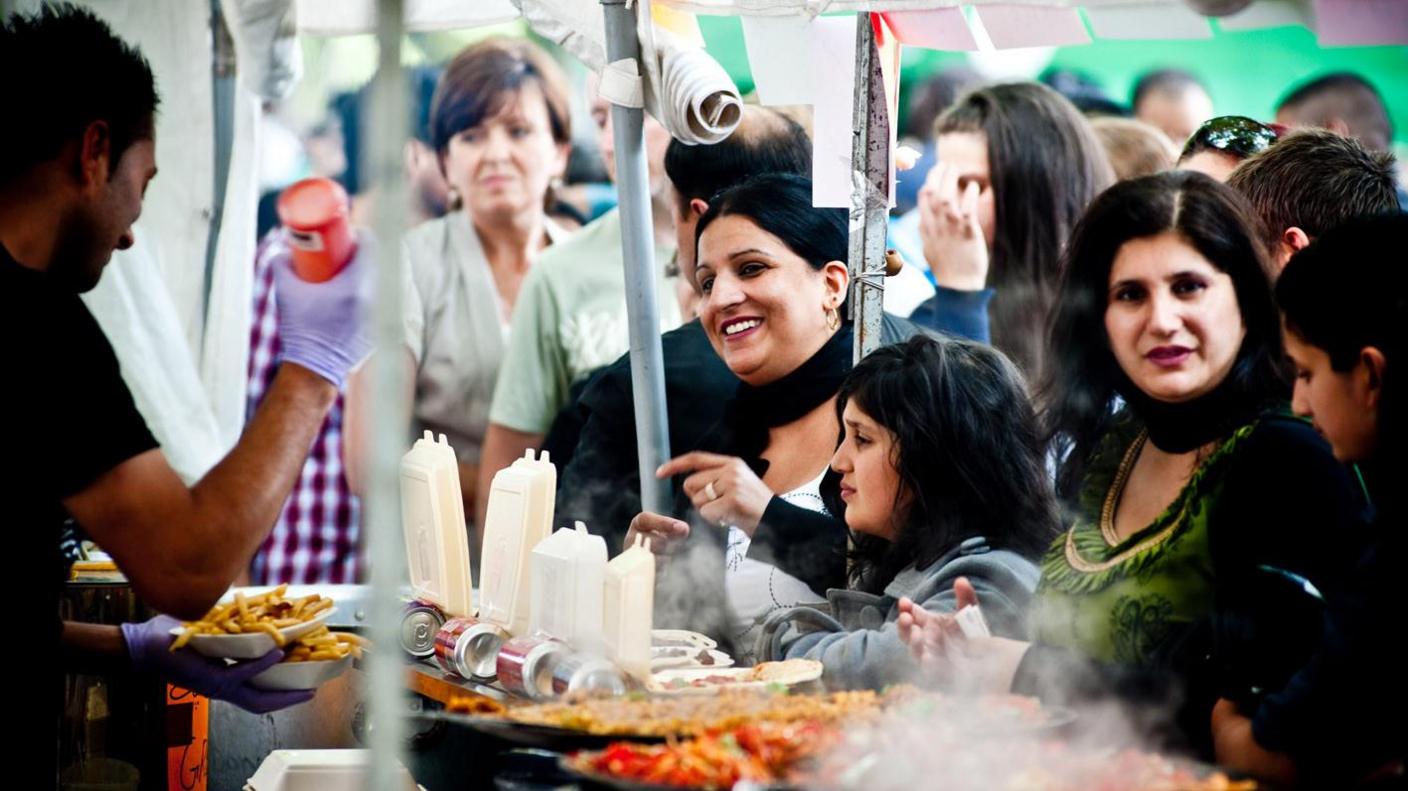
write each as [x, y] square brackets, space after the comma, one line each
[569, 579]
[520, 513]
[630, 609]
[432, 520]
[318, 770]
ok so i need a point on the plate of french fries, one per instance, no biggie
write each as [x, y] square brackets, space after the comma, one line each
[312, 659]
[249, 626]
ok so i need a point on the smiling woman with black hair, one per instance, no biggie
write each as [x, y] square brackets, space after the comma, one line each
[771, 271]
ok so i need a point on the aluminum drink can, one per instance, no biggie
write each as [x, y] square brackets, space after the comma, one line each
[526, 664]
[419, 622]
[583, 673]
[467, 647]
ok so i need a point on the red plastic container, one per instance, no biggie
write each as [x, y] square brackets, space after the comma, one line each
[314, 211]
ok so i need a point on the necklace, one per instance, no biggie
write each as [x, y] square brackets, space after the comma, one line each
[1107, 522]
[1116, 490]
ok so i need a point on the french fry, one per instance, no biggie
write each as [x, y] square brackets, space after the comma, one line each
[183, 638]
[269, 613]
[272, 631]
[315, 608]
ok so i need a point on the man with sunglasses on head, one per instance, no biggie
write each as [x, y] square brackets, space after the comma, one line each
[1310, 181]
[1223, 143]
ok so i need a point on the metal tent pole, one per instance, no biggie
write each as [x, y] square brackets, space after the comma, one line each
[637, 242]
[870, 166]
[388, 123]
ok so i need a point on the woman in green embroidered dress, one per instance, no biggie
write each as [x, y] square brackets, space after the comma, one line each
[1193, 495]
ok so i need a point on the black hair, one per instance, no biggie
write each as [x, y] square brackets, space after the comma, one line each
[63, 70]
[1314, 179]
[1166, 81]
[1081, 386]
[765, 142]
[1343, 293]
[1348, 97]
[966, 448]
[781, 204]
[932, 95]
[1084, 91]
[349, 107]
[1046, 165]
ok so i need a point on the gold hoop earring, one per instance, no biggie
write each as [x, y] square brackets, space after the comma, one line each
[833, 319]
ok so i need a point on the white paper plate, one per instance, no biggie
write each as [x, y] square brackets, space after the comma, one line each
[249, 645]
[682, 638]
[710, 681]
[690, 659]
[301, 675]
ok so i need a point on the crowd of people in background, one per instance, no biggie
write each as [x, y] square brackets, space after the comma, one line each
[1082, 418]
[1136, 398]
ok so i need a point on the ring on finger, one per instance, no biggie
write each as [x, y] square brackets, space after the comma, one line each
[710, 492]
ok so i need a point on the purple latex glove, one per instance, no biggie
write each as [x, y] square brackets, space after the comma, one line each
[323, 326]
[149, 646]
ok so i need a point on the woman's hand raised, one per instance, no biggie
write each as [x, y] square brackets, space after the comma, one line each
[953, 239]
[664, 534]
[724, 489]
[949, 658]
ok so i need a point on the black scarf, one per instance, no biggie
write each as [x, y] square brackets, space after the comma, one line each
[756, 408]
[1189, 425]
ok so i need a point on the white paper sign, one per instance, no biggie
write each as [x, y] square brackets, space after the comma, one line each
[833, 70]
[938, 28]
[1017, 26]
[1140, 22]
[777, 48]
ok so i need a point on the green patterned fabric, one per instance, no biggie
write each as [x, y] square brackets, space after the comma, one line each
[1120, 603]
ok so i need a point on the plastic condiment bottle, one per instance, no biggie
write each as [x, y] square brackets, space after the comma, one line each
[569, 579]
[519, 516]
[432, 520]
[630, 608]
[314, 212]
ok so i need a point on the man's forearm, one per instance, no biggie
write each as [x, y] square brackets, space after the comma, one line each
[92, 648]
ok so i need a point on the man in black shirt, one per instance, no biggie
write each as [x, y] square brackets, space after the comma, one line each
[76, 154]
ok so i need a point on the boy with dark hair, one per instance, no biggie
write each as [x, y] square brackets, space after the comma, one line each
[1335, 723]
[1172, 100]
[1342, 102]
[1309, 182]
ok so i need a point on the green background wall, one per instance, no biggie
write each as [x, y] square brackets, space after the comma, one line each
[1246, 71]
